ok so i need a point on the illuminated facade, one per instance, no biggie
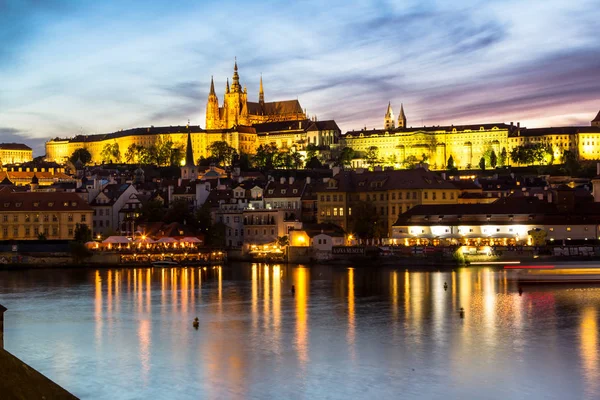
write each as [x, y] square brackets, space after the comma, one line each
[398, 145]
[390, 192]
[25, 215]
[15, 153]
[237, 110]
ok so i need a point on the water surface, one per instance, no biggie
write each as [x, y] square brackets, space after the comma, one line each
[345, 333]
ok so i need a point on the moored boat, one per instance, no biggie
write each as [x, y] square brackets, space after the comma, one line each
[165, 263]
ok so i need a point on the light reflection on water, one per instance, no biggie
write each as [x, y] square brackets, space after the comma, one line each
[344, 333]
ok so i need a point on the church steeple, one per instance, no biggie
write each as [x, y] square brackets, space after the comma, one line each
[227, 87]
[235, 85]
[212, 87]
[261, 92]
[388, 121]
[401, 117]
[188, 171]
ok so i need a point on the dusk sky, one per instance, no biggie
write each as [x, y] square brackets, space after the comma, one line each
[74, 66]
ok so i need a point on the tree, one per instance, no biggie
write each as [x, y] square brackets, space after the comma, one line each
[482, 163]
[503, 157]
[493, 159]
[42, 236]
[313, 163]
[222, 152]
[179, 211]
[110, 152]
[410, 162]
[82, 233]
[265, 154]
[366, 222]
[283, 241]
[152, 211]
[81, 154]
[311, 151]
[132, 153]
[345, 157]
[297, 160]
[450, 165]
[372, 156]
[571, 162]
[528, 154]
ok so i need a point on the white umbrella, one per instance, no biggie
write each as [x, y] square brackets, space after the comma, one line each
[116, 240]
[145, 239]
[190, 239]
[166, 239]
[91, 245]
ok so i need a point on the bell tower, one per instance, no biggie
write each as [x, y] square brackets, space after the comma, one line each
[401, 117]
[213, 120]
[388, 121]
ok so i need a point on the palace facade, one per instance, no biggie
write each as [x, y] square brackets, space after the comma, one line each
[15, 153]
[244, 125]
[398, 145]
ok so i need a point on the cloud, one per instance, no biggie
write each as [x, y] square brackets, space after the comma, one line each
[13, 135]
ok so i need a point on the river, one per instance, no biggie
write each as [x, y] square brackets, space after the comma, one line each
[346, 333]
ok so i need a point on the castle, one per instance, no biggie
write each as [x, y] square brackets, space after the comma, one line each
[237, 110]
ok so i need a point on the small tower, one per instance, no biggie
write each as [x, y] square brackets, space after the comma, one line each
[388, 122]
[212, 108]
[35, 183]
[596, 121]
[261, 94]
[188, 171]
[401, 117]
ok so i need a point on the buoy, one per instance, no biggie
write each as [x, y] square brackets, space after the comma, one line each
[462, 312]
[445, 285]
[520, 291]
[196, 323]
[293, 289]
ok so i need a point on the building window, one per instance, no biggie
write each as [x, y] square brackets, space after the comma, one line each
[46, 217]
[15, 218]
[568, 229]
[393, 210]
[350, 211]
[27, 231]
[27, 218]
[54, 218]
[5, 218]
[341, 212]
[83, 218]
[451, 195]
[5, 232]
[101, 212]
[70, 231]
[399, 195]
[434, 196]
[36, 231]
[414, 195]
[381, 197]
[54, 231]
[70, 218]
[443, 195]
[426, 195]
[335, 211]
[15, 232]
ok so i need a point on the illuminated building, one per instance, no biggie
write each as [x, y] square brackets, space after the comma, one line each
[15, 153]
[25, 215]
[562, 214]
[390, 192]
[400, 146]
[244, 125]
[237, 110]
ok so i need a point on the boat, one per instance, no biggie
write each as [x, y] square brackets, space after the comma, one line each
[559, 274]
[165, 263]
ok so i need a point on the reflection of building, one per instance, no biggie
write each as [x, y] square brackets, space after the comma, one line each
[15, 153]
[467, 144]
[390, 193]
[25, 215]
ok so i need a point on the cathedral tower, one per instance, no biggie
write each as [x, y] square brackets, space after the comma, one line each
[401, 117]
[388, 122]
[261, 94]
[212, 108]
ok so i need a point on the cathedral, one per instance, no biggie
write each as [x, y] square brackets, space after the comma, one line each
[237, 110]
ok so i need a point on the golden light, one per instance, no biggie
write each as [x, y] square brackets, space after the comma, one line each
[182, 163]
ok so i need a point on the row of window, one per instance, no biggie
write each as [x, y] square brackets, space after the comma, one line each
[102, 212]
[101, 223]
[42, 217]
[33, 232]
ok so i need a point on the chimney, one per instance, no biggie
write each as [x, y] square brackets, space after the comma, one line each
[2, 309]
[518, 125]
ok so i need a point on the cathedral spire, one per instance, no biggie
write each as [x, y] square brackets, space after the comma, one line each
[388, 121]
[227, 87]
[212, 86]
[401, 117]
[261, 92]
[235, 85]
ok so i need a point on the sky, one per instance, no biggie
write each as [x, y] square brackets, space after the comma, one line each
[75, 66]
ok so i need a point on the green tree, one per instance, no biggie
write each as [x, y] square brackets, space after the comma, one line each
[81, 154]
[152, 211]
[571, 162]
[482, 163]
[372, 156]
[110, 152]
[450, 165]
[297, 160]
[345, 157]
[366, 223]
[82, 233]
[131, 155]
[314, 163]
[311, 151]
[503, 157]
[222, 152]
[493, 159]
[42, 236]
[179, 211]
[410, 162]
[264, 157]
